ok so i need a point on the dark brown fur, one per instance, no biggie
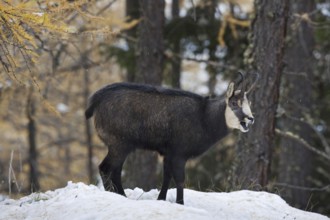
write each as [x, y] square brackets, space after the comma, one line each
[177, 124]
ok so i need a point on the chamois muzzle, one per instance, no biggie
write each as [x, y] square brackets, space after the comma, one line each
[244, 125]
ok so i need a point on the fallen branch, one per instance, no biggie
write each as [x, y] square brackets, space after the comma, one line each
[313, 189]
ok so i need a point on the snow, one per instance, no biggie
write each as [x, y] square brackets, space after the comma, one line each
[63, 108]
[83, 202]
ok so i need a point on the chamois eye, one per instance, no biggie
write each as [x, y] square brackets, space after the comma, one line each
[234, 103]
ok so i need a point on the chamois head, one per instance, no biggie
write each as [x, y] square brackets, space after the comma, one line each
[238, 112]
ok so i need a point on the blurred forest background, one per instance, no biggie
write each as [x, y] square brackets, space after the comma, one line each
[54, 54]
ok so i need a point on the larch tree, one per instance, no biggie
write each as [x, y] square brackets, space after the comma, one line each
[30, 31]
[21, 26]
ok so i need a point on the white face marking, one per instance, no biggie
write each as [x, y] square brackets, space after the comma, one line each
[246, 107]
[231, 119]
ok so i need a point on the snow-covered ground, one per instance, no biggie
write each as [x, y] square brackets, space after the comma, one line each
[83, 202]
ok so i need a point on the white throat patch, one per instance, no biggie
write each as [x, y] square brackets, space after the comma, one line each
[231, 119]
[246, 107]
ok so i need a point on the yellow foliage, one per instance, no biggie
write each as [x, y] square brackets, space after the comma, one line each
[23, 23]
[51, 108]
[228, 19]
[20, 24]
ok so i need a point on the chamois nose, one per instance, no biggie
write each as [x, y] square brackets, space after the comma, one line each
[251, 119]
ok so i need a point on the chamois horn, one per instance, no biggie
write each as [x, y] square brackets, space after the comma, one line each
[254, 83]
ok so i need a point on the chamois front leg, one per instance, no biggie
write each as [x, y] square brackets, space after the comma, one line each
[167, 176]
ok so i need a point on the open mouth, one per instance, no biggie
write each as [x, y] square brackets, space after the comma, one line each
[244, 125]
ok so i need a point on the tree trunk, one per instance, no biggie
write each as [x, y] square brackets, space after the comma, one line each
[296, 101]
[132, 12]
[141, 166]
[88, 127]
[211, 69]
[32, 140]
[176, 60]
[150, 55]
[254, 149]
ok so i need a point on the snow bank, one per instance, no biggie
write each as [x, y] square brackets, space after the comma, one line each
[79, 201]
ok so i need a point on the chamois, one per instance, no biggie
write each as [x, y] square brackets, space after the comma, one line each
[177, 124]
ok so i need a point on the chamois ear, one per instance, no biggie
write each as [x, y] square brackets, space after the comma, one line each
[230, 90]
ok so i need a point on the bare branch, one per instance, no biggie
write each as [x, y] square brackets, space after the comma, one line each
[254, 83]
[193, 6]
[302, 142]
[105, 7]
[12, 172]
[308, 122]
[174, 56]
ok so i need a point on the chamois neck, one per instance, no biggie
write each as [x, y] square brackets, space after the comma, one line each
[216, 121]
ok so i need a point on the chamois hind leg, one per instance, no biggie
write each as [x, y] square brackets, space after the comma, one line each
[110, 171]
[116, 180]
[167, 176]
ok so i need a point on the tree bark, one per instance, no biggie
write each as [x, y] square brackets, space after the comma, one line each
[88, 127]
[211, 69]
[150, 55]
[297, 101]
[32, 140]
[141, 166]
[254, 149]
[176, 60]
[132, 12]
